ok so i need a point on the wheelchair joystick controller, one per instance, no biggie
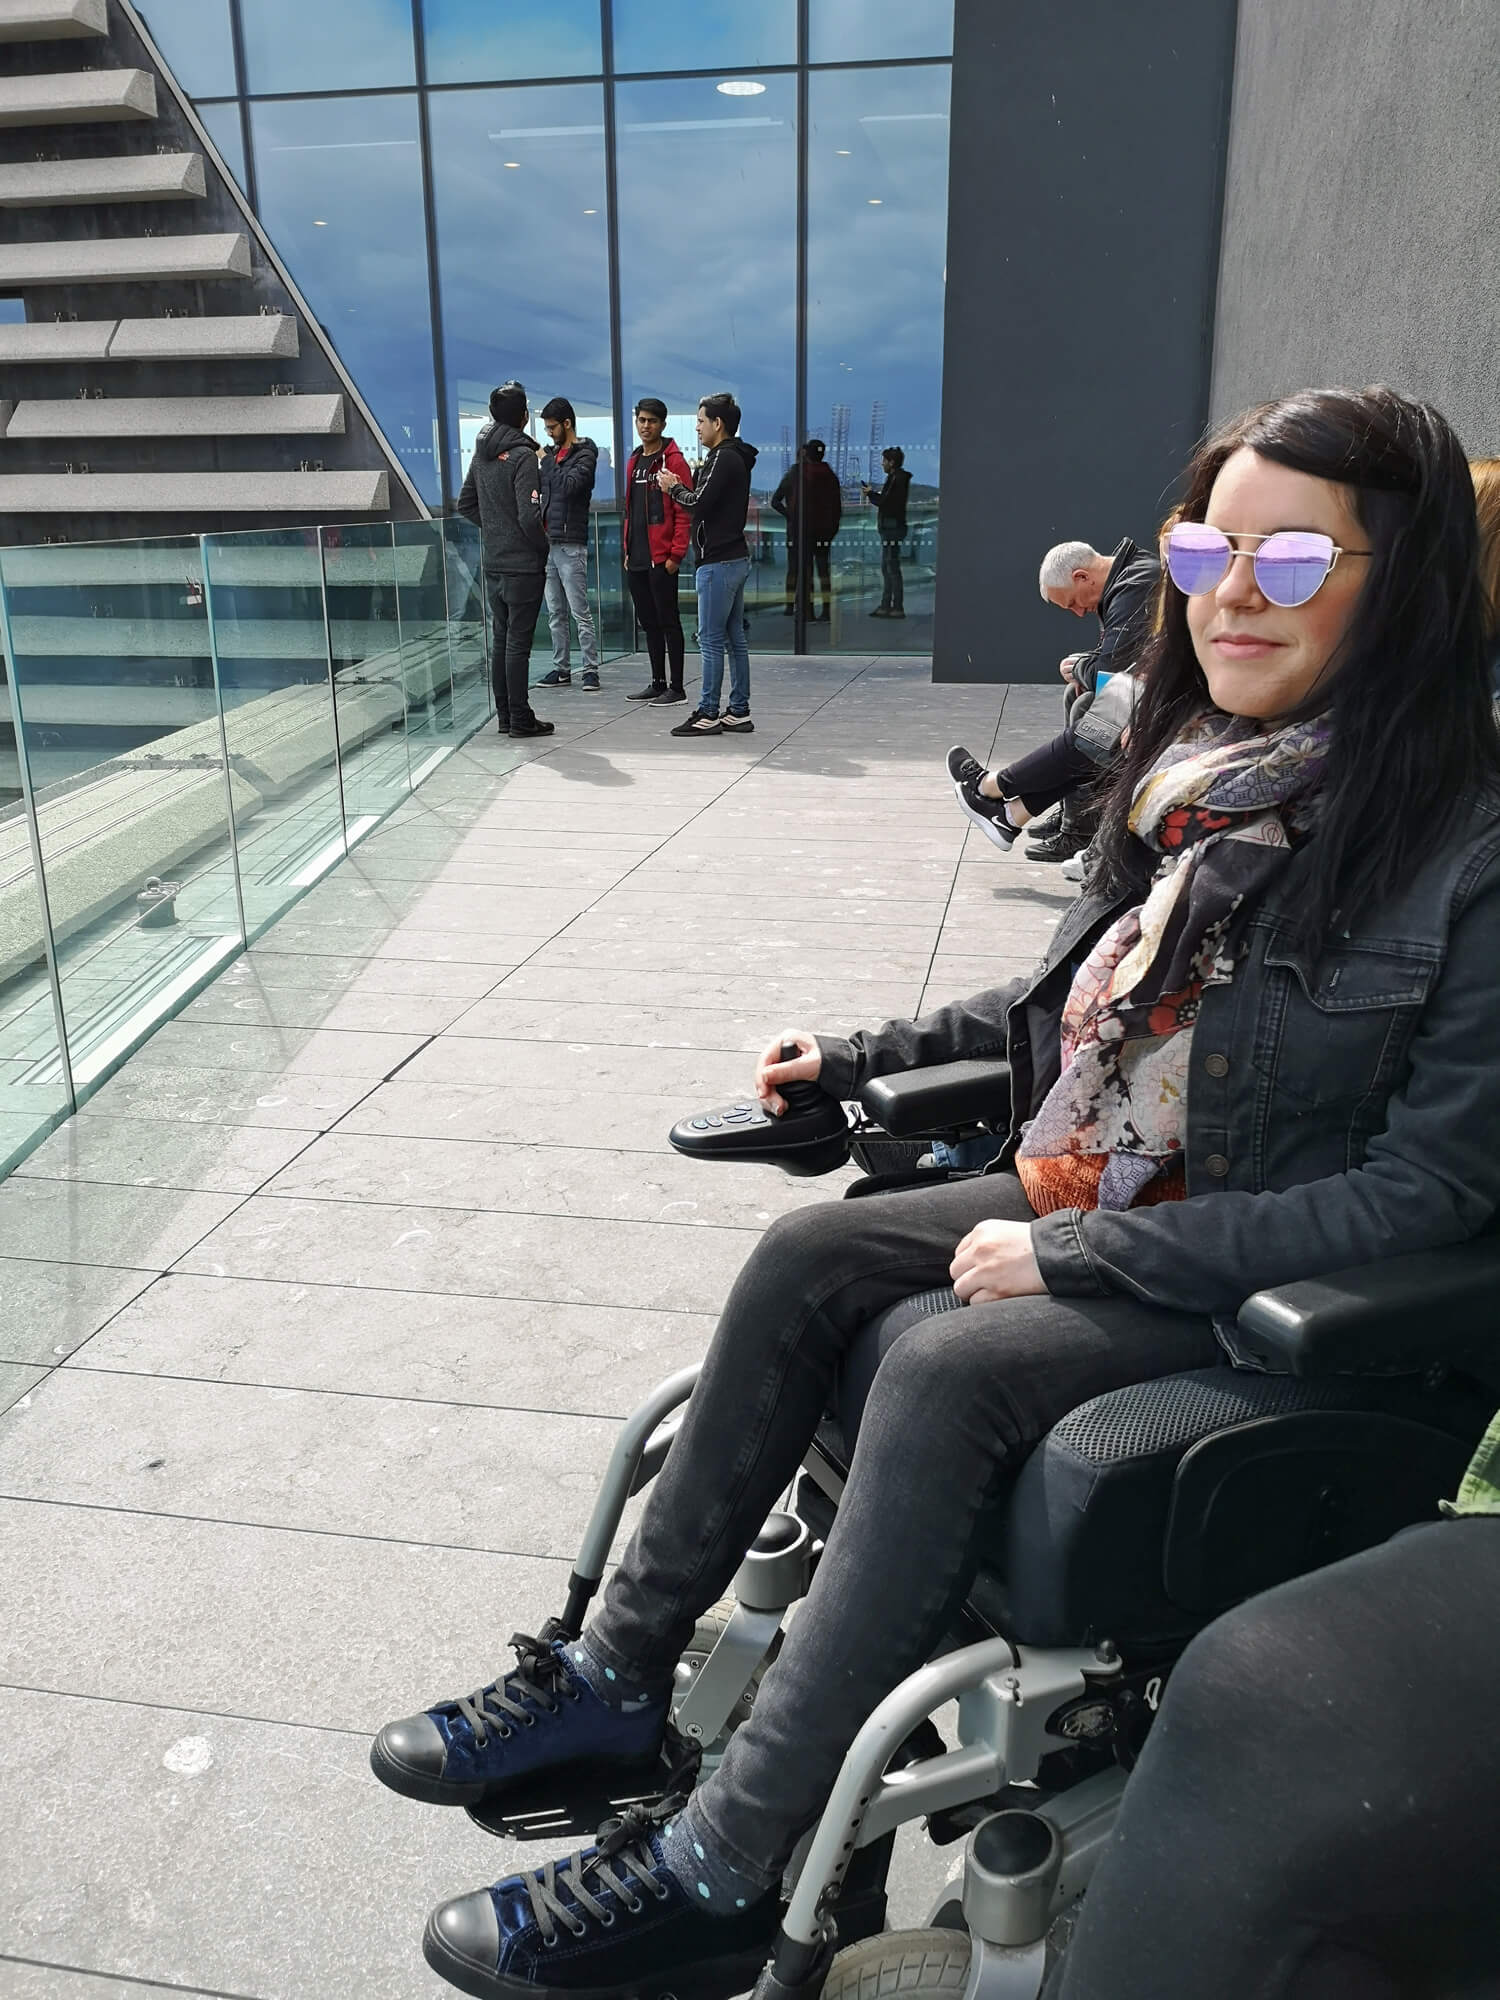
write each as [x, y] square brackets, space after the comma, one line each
[810, 1137]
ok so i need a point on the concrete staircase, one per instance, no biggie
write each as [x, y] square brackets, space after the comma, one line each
[168, 378]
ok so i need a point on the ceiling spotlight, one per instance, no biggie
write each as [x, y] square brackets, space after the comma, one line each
[842, 151]
[319, 223]
[875, 201]
[512, 163]
[591, 211]
[741, 86]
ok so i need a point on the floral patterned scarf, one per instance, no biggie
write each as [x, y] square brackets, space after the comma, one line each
[1223, 806]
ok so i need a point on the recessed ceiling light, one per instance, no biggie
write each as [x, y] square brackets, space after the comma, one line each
[591, 211]
[875, 201]
[842, 151]
[513, 163]
[319, 223]
[741, 86]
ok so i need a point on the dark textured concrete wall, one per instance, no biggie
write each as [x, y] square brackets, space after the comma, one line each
[1362, 208]
[1083, 241]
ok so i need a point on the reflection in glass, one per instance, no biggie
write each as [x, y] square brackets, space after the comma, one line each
[518, 185]
[265, 593]
[842, 31]
[488, 41]
[113, 684]
[193, 35]
[466, 616]
[224, 128]
[361, 566]
[442, 678]
[327, 44]
[340, 182]
[877, 211]
[739, 270]
[703, 34]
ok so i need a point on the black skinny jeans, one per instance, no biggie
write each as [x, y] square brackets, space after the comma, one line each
[1313, 1816]
[959, 1399]
[654, 594]
[515, 600]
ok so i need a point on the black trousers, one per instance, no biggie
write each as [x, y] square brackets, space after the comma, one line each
[804, 556]
[1313, 1816]
[892, 584]
[959, 1401]
[654, 594]
[515, 602]
[1042, 777]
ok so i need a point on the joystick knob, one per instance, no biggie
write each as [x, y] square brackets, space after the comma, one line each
[802, 1097]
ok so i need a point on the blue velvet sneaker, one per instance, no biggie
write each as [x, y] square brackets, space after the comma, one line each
[541, 1717]
[608, 1920]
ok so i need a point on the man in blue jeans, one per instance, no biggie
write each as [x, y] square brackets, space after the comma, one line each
[567, 470]
[718, 501]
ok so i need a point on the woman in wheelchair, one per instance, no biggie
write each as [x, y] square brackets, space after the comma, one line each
[1263, 1045]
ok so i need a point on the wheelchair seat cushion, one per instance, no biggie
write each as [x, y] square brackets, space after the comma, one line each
[1148, 1510]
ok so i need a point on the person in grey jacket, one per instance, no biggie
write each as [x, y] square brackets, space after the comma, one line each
[502, 493]
[1265, 1045]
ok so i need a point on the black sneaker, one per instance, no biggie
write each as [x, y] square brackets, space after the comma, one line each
[733, 719]
[591, 683]
[699, 723]
[652, 693]
[1063, 845]
[558, 678]
[532, 726]
[1045, 825]
[668, 695]
[608, 1919]
[541, 1716]
[987, 814]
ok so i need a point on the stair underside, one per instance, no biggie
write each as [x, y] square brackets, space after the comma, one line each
[193, 492]
[133, 177]
[178, 416]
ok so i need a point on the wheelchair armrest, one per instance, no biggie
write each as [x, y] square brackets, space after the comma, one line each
[914, 1102]
[1403, 1312]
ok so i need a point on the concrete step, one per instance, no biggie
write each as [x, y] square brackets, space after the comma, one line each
[77, 97]
[193, 492]
[52, 20]
[178, 416]
[235, 337]
[124, 259]
[243, 566]
[136, 177]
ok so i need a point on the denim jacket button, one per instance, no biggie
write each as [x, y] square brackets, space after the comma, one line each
[1217, 1065]
[1217, 1165]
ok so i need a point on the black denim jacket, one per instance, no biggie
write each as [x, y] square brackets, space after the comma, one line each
[1343, 1104]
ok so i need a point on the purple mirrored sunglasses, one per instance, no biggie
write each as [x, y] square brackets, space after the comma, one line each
[1290, 566]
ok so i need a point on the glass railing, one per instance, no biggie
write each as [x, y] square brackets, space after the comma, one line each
[192, 732]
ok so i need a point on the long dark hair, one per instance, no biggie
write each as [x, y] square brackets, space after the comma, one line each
[1408, 692]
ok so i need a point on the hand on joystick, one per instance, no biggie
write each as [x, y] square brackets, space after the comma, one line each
[786, 1075]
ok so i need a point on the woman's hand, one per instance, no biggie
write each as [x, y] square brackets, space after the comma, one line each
[771, 1070]
[995, 1261]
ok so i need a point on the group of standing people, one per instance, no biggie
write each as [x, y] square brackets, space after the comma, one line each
[532, 508]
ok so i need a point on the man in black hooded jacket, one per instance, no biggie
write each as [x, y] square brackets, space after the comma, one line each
[503, 494]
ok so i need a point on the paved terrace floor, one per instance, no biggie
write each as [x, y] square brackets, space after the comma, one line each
[318, 1321]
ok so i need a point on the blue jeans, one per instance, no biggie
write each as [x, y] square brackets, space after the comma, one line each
[721, 624]
[568, 590]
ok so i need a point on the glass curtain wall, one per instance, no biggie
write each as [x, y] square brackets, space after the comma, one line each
[615, 198]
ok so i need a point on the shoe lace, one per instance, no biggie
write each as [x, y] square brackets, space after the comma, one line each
[511, 1700]
[621, 1858]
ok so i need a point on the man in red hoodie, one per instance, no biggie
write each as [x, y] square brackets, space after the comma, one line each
[656, 539]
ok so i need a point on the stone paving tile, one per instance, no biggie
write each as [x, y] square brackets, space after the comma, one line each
[227, 1097]
[146, 1152]
[16, 1382]
[573, 1259]
[504, 1015]
[328, 1463]
[51, 1982]
[428, 1346]
[673, 949]
[50, 1309]
[111, 1604]
[91, 1223]
[286, 1052]
[636, 1122]
[237, 1858]
[546, 1180]
[335, 1007]
[586, 1071]
[782, 998]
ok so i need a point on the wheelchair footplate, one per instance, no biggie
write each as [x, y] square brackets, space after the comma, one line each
[569, 1807]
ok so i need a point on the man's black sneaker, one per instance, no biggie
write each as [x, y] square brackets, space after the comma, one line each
[895, 614]
[699, 723]
[532, 726]
[541, 1716]
[1045, 824]
[558, 678]
[591, 683]
[669, 695]
[987, 814]
[883, 612]
[652, 693]
[1063, 845]
[608, 1919]
[731, 719]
